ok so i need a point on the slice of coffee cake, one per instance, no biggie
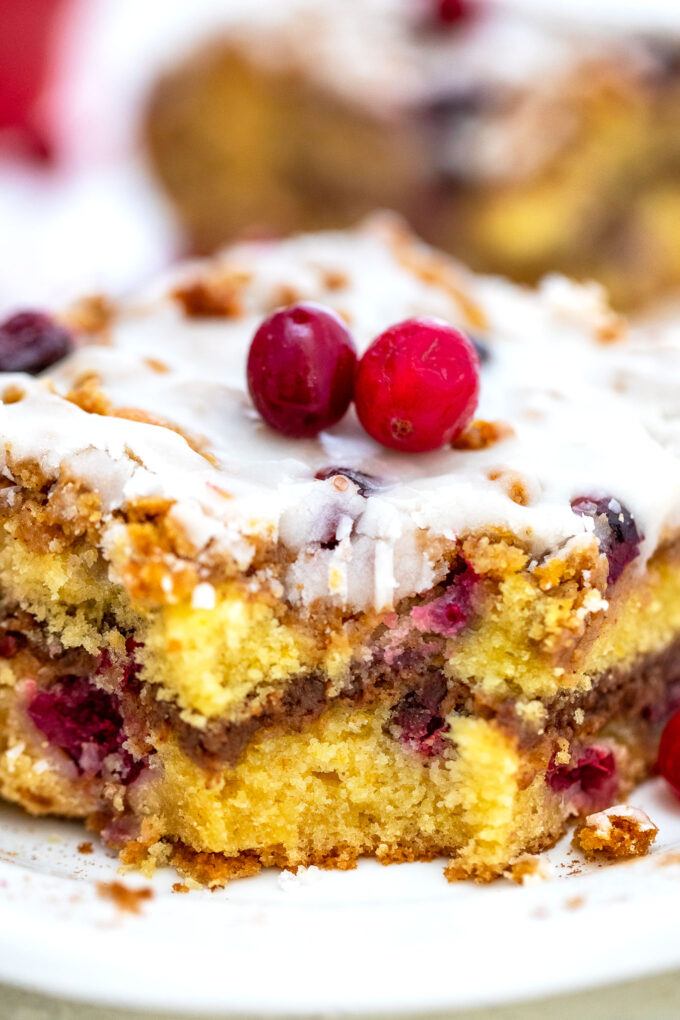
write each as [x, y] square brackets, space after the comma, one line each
[524, 142]
[226, 647]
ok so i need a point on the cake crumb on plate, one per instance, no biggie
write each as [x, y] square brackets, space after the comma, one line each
[125, 898]
[528, 870]
[620, 831]
[289, 880]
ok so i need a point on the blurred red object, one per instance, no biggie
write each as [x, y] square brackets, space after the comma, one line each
[27, 30]
[450, 12]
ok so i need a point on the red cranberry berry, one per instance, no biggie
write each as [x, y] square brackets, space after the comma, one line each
[594, 768]
[447, 614]
[86, 723]
[31, 342]
[668, 762]
[365, 483]
[615, 529]
[417, 385]
[451, 12]
[10, 644]
[29, 30]
[301, 369]
[418, 720]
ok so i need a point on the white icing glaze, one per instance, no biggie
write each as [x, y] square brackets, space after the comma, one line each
[602, 821]
[589, 419]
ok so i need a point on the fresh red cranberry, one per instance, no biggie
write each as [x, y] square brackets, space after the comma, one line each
[31, 342]
[417, 719]
[615, 529]
[301, 369]
[668, 762]
[417, 385]
[451, 12]
[594, 768]
[85, 722]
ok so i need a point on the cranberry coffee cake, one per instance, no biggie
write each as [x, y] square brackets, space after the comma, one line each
[327, 547]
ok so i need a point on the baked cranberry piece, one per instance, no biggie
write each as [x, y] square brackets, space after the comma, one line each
[594, 768]
[31, 342]
[615, 529]
[417, 385]
[417, 720]
[451, 12]
[10, 644]
[85, 722]
[447, 614]
[365, 483]
[301, 369]
[668, 762]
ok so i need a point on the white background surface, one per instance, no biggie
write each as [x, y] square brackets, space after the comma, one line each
[657, 998]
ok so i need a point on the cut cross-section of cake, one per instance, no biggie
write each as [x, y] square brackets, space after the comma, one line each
[228, 648]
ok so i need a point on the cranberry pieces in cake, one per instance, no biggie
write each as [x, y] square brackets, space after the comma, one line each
[301, 369]
[417, 720]
[366, 484]
[85, 722]
[588, 783]
[443, 15]
[615, 528]
[31, 342]
[451, 12]
[10, 643]
[447, 614]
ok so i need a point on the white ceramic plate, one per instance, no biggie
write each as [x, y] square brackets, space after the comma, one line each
[377, 940]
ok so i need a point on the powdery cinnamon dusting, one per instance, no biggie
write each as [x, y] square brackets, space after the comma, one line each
[125, 899]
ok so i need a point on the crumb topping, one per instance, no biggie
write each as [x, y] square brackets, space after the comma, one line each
[479, 435]
[620, 831]
[153, 409]
[127, 900]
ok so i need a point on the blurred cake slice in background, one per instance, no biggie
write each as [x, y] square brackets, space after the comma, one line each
[521, 144]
